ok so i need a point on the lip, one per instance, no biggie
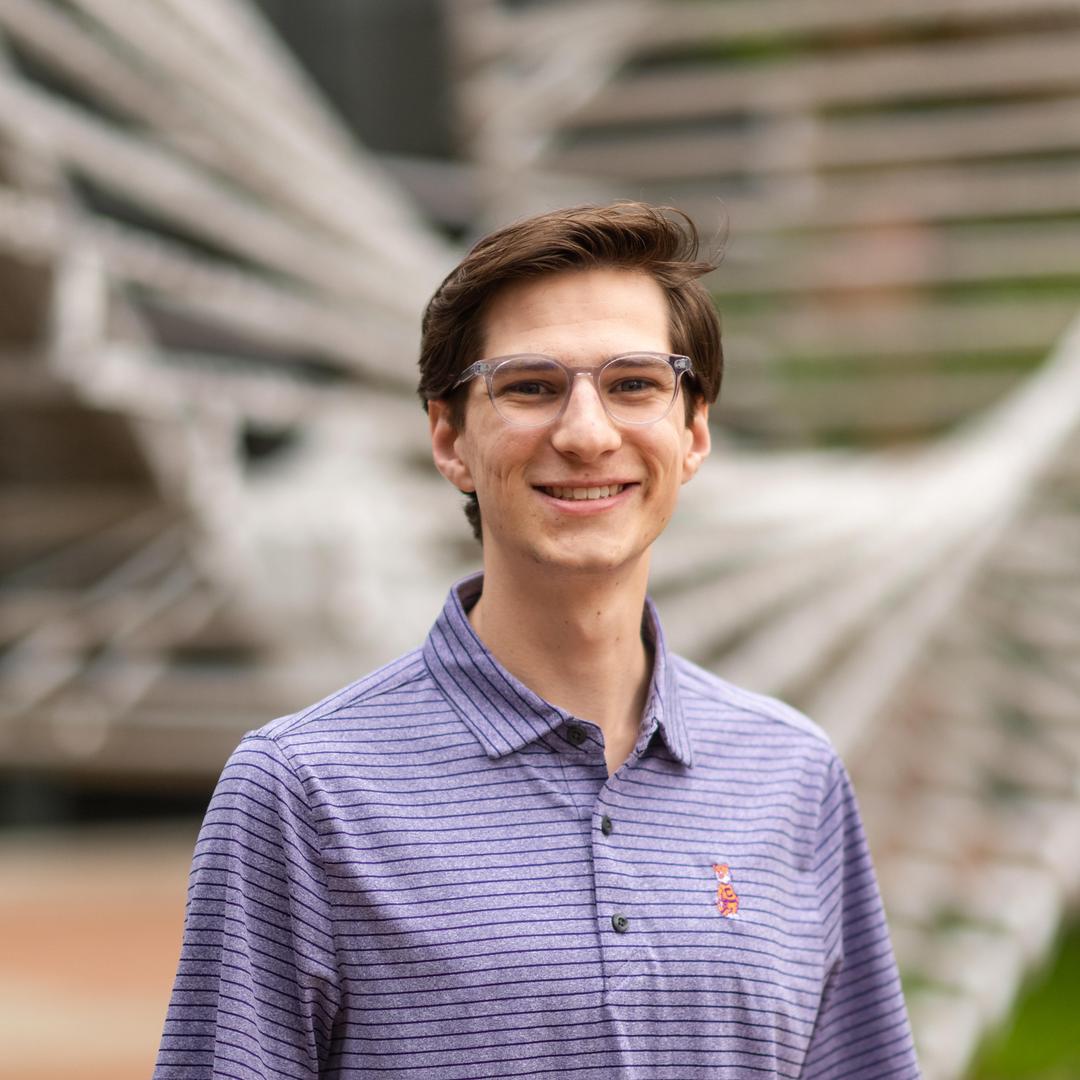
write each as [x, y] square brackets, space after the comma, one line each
[588, 506]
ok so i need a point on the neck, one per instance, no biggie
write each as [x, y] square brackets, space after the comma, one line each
[574, 639]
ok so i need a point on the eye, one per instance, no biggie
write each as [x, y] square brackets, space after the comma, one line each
[526, 388]
[633, 384]
[528, 380]
[633, 378]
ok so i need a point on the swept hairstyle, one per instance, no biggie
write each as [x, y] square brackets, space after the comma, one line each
[657, 240]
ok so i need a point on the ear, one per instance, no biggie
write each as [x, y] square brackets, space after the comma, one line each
[444, 447]
[698, 440]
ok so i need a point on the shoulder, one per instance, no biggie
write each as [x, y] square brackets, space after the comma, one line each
[771, 746]
[710, 700]
[396, 688]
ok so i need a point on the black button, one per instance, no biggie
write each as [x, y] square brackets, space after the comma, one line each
[605, 825]
[576, 734]
[620, 923]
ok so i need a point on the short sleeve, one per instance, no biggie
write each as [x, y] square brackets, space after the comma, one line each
[862, 1026]
[256, 992]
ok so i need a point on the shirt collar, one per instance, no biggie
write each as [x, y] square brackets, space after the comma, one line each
[503, 713]
[664, 702]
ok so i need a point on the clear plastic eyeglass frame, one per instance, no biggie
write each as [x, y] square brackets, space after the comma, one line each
[680, 365]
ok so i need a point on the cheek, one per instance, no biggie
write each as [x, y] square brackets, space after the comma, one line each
[669, 453]
[501, 461]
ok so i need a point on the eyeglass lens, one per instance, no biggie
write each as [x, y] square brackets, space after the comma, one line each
[634, 389]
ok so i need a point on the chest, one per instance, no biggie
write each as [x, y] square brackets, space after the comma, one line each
[551, 891]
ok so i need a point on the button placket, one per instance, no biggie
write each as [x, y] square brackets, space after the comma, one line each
[622, 956]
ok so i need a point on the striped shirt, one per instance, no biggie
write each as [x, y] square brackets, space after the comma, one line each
[430, 874]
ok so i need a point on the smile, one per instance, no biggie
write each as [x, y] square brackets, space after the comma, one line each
[583, 493]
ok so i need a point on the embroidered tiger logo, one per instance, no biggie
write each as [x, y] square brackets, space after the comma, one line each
[727, 901]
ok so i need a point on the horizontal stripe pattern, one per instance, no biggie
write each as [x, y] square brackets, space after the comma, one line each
[413, 878]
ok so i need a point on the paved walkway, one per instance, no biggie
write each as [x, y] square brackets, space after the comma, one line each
[90, 923]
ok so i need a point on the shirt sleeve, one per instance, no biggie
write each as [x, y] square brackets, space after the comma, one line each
[256, 992]
[862, 1026]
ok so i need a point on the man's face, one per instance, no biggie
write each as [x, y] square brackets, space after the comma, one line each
[521, 475]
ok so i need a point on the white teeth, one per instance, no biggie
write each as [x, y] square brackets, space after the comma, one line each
[585, 493]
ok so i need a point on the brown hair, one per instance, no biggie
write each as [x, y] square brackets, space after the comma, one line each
[657, 240]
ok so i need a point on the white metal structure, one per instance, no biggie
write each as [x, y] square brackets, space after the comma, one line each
[198, 260]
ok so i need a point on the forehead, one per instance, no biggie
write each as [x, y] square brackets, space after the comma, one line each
[578, 314]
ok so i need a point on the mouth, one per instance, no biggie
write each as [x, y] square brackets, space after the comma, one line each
[584, 494]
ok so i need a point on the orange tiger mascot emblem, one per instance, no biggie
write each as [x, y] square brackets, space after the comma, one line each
[727, 902]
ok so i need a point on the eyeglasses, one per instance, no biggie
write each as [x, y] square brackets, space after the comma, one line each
[530, 390]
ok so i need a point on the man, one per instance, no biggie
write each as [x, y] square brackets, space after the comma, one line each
[542, 845]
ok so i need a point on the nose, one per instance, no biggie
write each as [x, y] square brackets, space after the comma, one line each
[585, 430]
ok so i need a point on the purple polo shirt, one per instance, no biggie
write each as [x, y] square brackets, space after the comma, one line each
[430, 874]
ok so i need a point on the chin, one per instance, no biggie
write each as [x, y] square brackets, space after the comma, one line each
[584, 558]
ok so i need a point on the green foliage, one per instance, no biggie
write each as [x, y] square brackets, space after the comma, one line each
[809, 367]
[1042, 1039]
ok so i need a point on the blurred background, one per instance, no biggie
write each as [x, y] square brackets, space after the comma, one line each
[219, 222]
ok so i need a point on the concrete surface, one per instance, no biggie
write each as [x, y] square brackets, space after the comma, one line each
[90, 924]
